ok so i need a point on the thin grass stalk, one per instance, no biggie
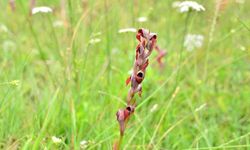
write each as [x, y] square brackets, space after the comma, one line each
[211, 33]
[107, 39]
[41, 53]
[71, 50]
[181, 49]
[55, 39]
[63, 13]
[73, 123]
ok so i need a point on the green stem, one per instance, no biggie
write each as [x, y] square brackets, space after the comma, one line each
[211, 32]
[107, 39]
[181, 50]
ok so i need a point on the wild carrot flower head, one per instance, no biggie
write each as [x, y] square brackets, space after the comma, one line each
[193, 41]
[84, 144]
[125, 30]
[94, 38]
[42, 9]
[142, 19]
[56, 140]
[94, 41]
[186, 6]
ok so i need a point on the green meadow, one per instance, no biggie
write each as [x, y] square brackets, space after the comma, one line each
[63, 73]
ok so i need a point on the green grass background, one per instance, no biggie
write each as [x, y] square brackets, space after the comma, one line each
[71, 89]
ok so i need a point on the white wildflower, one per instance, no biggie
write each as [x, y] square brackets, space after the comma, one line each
[154, 108]
[94, 41]
[186, 6]
[193, 41]
[142, 19]
[125, 30]
[84, 144]
[200, 107]
[56, 140]
[42, 9]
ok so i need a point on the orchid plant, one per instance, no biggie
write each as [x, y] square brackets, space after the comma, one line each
[147, 42]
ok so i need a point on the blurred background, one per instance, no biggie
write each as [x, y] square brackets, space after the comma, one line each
[63, 70]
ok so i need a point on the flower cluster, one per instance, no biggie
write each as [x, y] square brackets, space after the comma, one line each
[56, 140]
[142, 19]
[42, 9]
[193, 41]
[125, 30]
[147, 42]
[186, 6]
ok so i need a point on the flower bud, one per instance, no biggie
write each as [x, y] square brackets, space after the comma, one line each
[130, 109]
[120, 115]
[152, 36]
[139, 76]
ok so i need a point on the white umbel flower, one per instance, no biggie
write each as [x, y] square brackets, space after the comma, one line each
[126, 30]
[142, 19]
[56, 140]
[84, 144]
[94, 41]
[42, 9]
[193, 41]
[186, 6]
